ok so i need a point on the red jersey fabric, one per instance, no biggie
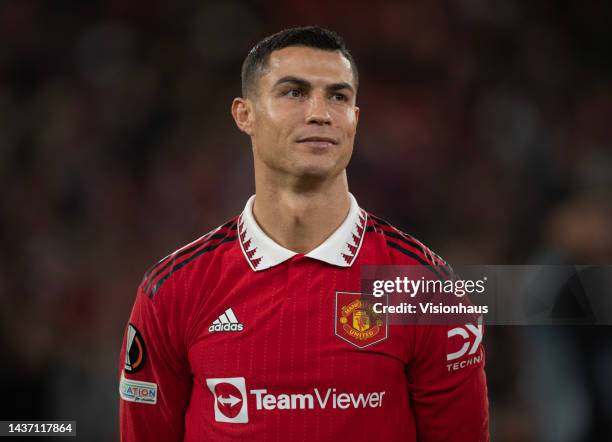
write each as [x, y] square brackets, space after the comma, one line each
[234, 337]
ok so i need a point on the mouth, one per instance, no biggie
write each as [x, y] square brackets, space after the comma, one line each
[318, 141]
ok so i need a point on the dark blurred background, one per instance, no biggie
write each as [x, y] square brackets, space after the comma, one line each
[485, 131]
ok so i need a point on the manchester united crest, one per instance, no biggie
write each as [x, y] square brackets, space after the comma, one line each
[356, 321]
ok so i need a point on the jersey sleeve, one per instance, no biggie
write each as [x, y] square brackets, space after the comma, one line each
[447, 383]
[155, 380]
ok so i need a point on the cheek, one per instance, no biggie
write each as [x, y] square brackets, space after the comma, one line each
[265, 126]
[284, 124]
[273, 134]
[349, 122]
[277, 120]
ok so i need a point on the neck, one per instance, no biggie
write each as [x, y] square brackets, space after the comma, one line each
[301, 216]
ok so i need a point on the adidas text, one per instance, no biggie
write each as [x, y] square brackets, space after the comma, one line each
[225, 327]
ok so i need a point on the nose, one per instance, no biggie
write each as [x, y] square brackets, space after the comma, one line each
[318, 112]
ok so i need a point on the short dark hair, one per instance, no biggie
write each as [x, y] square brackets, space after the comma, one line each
[308, 36]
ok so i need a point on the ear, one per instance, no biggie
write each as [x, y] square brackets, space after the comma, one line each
[242, 111]
[356, 115]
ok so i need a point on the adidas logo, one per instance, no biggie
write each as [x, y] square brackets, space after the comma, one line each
[226, 322]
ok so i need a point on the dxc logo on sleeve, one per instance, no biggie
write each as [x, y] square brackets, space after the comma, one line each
[472, 338]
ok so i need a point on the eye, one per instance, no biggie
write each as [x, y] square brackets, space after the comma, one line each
[339, 97]
[294, 93]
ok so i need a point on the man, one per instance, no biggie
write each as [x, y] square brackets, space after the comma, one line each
[250, 332]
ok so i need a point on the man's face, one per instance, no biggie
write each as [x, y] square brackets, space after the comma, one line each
[304, 113]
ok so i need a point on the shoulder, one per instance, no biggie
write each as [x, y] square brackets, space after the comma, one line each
[183, 260]
[403, 248]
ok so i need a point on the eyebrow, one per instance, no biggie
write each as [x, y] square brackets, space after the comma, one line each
[307, 85]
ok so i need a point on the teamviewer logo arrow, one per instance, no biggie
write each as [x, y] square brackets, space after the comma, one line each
[230, 399]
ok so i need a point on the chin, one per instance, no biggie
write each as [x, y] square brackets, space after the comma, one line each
[317, 172]
[311, 167]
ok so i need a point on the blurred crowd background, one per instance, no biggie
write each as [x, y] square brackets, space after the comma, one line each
[485, 131]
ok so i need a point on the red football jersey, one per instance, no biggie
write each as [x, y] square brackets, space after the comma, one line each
[234, 337]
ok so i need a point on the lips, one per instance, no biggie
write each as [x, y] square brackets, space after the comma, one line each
[318, 140]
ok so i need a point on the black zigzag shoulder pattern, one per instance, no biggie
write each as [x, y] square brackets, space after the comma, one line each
[155, 277]
[411, 247]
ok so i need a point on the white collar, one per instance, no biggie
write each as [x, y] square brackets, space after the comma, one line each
[340, 249]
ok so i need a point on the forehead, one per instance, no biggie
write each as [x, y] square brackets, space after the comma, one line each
[314, 65]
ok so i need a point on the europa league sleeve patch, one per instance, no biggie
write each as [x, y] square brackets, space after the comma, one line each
[135, 350]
